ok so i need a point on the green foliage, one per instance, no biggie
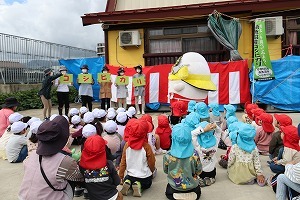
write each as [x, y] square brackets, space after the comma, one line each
[31, 100]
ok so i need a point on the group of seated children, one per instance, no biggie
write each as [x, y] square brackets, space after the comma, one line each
[118, 148]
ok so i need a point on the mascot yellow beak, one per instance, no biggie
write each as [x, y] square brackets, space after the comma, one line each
[197, 80]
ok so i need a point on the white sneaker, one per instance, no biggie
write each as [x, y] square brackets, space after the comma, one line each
[185, 196]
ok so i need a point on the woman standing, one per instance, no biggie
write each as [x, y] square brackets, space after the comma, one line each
[86, 90]
[139, 91]
[63, 93]
[105, 91]
[46, 90]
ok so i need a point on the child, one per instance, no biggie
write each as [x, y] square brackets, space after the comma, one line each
[182, 165]
[164, 132]
[178, 110]
[264, 133]
[214, 115]
[122, 91]
[120, 109]
[16, 147]
[88, 118]
[244, 166]
[14, 117]
[191, 106]
[32, 141]
[256, 113]
[289, 135]
[276, 143]
[192, 120]
[132, 111]
[99, 115]
[101, 177]
[105, 91]
[121, 121]
[75, 127]
[112, 137]
[225, 141]
[111, 115]
[229, 110]
[138, 159]
[205, 140]
[139, 91]
[82, 111]
[248, 116]
[153, 139]
[202, 109]
[73, 112]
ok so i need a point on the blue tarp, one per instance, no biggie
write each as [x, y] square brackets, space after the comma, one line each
[95, 67]
[284, 91]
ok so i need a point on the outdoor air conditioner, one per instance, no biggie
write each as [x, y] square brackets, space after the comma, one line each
[129, 38]
[274, 26]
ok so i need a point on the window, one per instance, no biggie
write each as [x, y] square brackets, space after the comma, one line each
[293, 31]
[196, 38]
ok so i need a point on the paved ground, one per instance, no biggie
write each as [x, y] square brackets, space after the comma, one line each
[11, 176]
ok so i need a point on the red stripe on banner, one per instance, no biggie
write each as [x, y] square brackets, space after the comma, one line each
[223, 68]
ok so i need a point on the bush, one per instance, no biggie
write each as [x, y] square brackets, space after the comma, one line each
[31, 100]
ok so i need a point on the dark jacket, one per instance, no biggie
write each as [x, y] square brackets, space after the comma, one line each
[102, 183]
[275, 144]
[46, 85]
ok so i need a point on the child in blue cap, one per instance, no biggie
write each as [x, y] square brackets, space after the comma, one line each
[229, 110]
[215, 115]
[191, 106]
[205, 140]
[191, 120]
[202, 109]
[183, 166]
[244, 166]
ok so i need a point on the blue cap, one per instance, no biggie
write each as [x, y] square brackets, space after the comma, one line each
[202, 109]
[215, 109]
[230, 110]
[206, 139]
[245, 138]
[230, 120]
[191, 106]
[182, 146]
[192, 120]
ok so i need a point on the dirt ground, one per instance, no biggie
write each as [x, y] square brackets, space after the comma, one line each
[11, 176]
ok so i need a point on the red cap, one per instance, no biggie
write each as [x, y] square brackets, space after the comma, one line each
[291, 137]
[127, 128]
[93, 154]
[148, 118]
[267, 122]
[137, 134]
[283, 120]
[179, 108]
[256, 113]
[249, 109]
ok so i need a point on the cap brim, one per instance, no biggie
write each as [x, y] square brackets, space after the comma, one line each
[182, 152]
[202, 84]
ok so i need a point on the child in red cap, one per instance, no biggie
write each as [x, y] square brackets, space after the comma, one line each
[248, 116]
[256, 113]
[164, 132]
[100, 175]
[289, 135]
[264, 133]
[137, 159]
[276, 143]
[178, 110]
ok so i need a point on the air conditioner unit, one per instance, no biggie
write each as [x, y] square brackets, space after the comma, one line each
[274, 26]
[129, 38]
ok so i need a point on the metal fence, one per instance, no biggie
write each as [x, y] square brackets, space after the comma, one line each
[22, 60]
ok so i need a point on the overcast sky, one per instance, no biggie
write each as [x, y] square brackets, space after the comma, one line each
[55, 21]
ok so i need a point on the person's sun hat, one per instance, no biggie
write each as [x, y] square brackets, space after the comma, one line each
[202, 109]
[93, 154]
[18, 127]
[52, 136]
[121, 117]
[179, 108]
[84, 67]
[245, 138]
[111, 115]
[47, 71]
[73, 111]
[148, 118]
[53, 116]
[75, 120]
[111, 110]
[14, 117]
[99, 113]
[192, 120]
[256, 113]
[89, 130]
[33, 119]
[267, 122]
[83, 110]
[88, 117]
[283, 119]
[206, 139]
[129, 114]
[132, 110]
[135, 133]
[110, 126]
[230, 110]
[120, 110]
[62, 68]
[231, 120]
[191, 106]
[10, 102]
[182, 146]
[249, 109]
[291, 137]
[35, 126]
[215, 109]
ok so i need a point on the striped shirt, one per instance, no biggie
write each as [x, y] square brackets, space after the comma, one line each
[293, 172]
[68, 169]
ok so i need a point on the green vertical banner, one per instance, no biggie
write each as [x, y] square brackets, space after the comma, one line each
[262, 63]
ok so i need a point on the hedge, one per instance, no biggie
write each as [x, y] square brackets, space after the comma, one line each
[30, 99]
